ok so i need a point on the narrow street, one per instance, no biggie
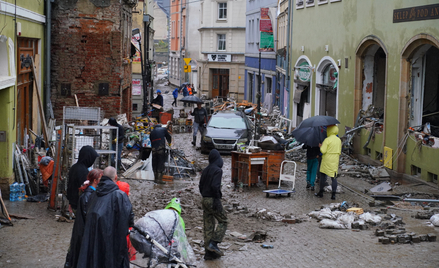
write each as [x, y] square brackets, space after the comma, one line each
[42, 241]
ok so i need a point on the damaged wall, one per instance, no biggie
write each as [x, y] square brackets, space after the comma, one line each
[90, 55]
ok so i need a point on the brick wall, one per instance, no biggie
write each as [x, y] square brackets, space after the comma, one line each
[89, 45]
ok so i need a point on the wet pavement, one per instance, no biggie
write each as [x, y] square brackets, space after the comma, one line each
[43, 241]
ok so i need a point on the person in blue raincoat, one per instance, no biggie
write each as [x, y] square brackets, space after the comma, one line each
[175, 95]
[331, 150]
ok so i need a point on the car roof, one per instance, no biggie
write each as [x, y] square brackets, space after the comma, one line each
[228, 113]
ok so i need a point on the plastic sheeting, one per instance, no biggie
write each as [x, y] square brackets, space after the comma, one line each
[164, 227]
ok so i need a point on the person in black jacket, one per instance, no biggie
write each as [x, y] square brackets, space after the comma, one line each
[200, 121]
[87, 189]
[312, 161]
[159, 135]
[78, 174]
[210, 189]
[159, 99]
[118, 140]
[109, 216]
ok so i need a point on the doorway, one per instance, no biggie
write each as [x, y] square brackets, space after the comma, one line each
[220, 83]
[27, 48]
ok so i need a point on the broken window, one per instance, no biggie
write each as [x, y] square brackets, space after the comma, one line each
[328, 91]
[424, 101]
[374, 79]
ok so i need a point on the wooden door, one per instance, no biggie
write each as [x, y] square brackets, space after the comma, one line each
[220, 82]
[26, 51]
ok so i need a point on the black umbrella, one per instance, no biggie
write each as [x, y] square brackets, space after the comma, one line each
[191, 99]
[311, 136]
[319, 120]
[184, 84]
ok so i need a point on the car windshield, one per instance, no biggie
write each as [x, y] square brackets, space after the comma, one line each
[227, 122]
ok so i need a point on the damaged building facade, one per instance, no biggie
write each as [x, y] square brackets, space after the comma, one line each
[91, 55]
[374, 65]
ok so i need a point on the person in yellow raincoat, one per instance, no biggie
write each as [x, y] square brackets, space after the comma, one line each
[331, 150]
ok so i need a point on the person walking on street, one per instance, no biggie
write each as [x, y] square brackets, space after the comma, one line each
[159, 135]
[89, 187]
[175, 95]
[159, 99]
[210, 189]
[200, 121]
[312, 156]
[78, 174]
[118, 141]
[331, 150]
[109, 216]
[185, 93]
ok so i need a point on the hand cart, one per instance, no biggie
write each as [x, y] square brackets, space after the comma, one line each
[284, 177]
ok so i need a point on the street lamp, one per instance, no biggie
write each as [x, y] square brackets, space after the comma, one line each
[147, 19]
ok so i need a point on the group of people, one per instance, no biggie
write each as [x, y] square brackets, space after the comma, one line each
[103, 215]
[327, 157]
[186, 90]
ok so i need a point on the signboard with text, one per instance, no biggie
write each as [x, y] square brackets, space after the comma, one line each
[219, 57]
[137, 87]
[429, 12]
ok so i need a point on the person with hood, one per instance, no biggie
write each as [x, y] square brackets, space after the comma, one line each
[210, 189]
[175, 95]
[109, 217]
[117, 140]
[86, 189]
[175, 205]
[159, 135]
[185, 93]
[331, 150]
[159, 99]
[200, 121]
[78, 174]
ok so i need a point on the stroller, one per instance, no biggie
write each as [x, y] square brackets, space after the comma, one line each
[160, 236]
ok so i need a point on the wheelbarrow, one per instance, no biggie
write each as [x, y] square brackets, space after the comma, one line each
[283, 177]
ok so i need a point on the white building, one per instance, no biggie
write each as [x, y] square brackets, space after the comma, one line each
[221, 62]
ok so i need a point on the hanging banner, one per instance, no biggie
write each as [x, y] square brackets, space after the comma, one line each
[136, 44]
[264, 13]
[266, 42]
[265, 26]
[137, 87]
[303, 72]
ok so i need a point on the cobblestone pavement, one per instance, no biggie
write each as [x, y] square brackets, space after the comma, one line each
[43, 242]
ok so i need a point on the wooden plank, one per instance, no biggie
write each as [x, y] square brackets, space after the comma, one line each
[57, 171]
[40, 103]
[34, 124]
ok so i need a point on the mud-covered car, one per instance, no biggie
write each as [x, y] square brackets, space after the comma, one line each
[225, 130]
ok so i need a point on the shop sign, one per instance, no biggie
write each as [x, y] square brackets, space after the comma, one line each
[137, 87]
[429, 12]
[219, 57]
[304, 72]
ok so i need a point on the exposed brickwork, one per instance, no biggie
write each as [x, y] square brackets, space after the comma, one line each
[89, 45]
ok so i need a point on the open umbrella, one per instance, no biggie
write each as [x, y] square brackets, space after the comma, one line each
[311, 136]
[184, 84]
[318, 121]
[191, 99]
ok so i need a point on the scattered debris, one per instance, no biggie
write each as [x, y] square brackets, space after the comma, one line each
[382, 187]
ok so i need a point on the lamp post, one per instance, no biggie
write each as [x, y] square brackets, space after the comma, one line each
[146, 69]
[258, 97]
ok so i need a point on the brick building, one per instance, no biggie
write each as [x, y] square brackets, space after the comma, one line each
[91, 47]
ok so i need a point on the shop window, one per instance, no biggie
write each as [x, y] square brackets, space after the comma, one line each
[424, 101]
[328, 91]
[268, 85]
[374, 79]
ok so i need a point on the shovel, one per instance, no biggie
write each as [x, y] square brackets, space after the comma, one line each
[398, 198]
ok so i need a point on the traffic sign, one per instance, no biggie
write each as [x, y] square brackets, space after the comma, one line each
[187, 60]
[187, 69]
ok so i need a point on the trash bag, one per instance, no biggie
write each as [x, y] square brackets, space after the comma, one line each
[164, 226]
[370, 218]
[435, 220]
[347, 219]
[330, 224]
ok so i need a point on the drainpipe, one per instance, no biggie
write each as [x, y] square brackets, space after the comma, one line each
[47, 81]
[287, 82]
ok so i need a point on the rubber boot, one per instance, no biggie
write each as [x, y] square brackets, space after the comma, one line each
[333, 196]
[319, 194]
[155, 177]
[213, 247]
[160, 179]
[194, 142]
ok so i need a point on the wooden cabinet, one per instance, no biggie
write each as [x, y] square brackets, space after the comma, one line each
[248, 168]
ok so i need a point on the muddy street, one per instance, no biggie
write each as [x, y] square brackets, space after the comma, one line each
[42, 240]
